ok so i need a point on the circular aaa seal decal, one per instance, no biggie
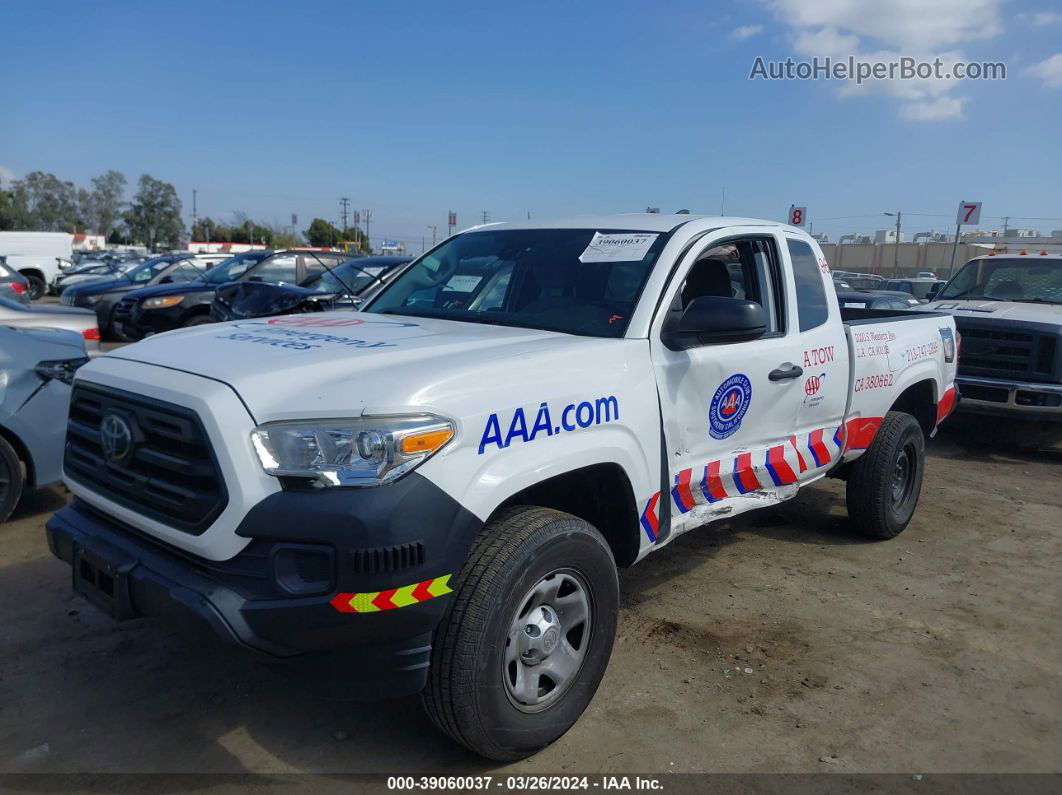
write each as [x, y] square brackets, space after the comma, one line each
[728, 406]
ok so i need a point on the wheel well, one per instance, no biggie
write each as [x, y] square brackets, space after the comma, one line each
[917, 400]
[23, 455]
[32, 272]
[600, 494]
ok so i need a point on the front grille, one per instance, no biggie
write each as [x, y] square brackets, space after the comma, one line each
[170, 473]
[124, 309]
[1018, 352]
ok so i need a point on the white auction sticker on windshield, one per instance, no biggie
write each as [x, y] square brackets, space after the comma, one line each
[629, 247]
[462, 283]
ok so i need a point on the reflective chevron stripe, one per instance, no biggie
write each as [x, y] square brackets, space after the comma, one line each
[392, 599]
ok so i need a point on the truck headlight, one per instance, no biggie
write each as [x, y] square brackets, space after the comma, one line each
[163, 301]
[366, 451]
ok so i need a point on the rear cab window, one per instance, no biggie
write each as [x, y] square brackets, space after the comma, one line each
[813, 309]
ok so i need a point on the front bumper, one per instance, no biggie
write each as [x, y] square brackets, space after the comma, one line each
[378, 541]
[1004, 398]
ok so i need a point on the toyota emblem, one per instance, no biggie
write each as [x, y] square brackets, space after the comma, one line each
[116, 437]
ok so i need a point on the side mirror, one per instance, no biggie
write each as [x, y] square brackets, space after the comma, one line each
[932, 294]
[713, 319]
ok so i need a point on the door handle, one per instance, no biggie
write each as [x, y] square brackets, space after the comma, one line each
[783, 373]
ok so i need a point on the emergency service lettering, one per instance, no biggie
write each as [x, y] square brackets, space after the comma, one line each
[816, 356]
[528, 426]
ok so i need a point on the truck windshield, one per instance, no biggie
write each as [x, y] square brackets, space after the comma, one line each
[1008, 279]
[575, 281]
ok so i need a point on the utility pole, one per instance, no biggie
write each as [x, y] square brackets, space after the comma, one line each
[344, 203]
[1006, 222]
[433, 229]
[486, 217]
[368, 218]
[194, 217]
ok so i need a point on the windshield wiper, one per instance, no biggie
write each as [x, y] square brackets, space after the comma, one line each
[334, 275]
[1033, 300]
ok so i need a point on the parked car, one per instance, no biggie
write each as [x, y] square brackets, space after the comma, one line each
[860, 281]
[167, 307]
[876, 299]
[346, 286]
[922, 289]
[102, 296]
[81, 321]
[92, 271]
[442, 484]
[39, 256]
[1008, 309]
[13, 285]
[36, 367]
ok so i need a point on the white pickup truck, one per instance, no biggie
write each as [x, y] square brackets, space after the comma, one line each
[438, 488]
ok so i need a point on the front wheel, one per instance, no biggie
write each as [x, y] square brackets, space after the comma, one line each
[884, 483]
[10, 480]
[525, 641]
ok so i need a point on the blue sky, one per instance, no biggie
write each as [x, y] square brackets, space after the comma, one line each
[552, 108]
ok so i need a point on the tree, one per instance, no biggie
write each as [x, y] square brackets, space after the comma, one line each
[46, 203]
[154, 216]
[322, 233]
[106, 201]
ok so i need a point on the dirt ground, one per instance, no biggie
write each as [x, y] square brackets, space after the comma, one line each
[776, 643]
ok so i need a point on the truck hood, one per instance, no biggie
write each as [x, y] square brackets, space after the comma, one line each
[344, 363]
[1003, 310]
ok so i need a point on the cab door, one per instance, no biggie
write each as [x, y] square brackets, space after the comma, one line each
[729, 410]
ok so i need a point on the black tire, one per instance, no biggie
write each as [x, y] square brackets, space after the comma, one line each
[37, 287]
[197, 320]
[469, 692]
[11, 480]
[884, 483]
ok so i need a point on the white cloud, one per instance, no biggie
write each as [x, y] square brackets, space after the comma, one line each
[6, 175]
[1042, 18]
[941, 109]
[901, 24]
[1049, 71]
[746, 32]
[886, 30]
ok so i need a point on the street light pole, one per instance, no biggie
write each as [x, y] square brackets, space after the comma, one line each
[896, 246]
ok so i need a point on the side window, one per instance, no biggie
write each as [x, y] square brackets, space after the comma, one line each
[745, 269]
[812, 307]
[276, 270]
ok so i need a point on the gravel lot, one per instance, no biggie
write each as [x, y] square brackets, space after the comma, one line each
[776, 642]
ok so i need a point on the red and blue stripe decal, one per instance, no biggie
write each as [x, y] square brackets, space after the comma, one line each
[744, 475]
[650, 520]
[711, 484]
[681, 493]
[817, 448]
[781, 473]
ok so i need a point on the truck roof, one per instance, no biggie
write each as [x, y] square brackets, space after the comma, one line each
[635, 222]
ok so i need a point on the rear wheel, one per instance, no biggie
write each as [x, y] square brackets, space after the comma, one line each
[37, 286]
[526, 639]
[885, 482]
[11, 480]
